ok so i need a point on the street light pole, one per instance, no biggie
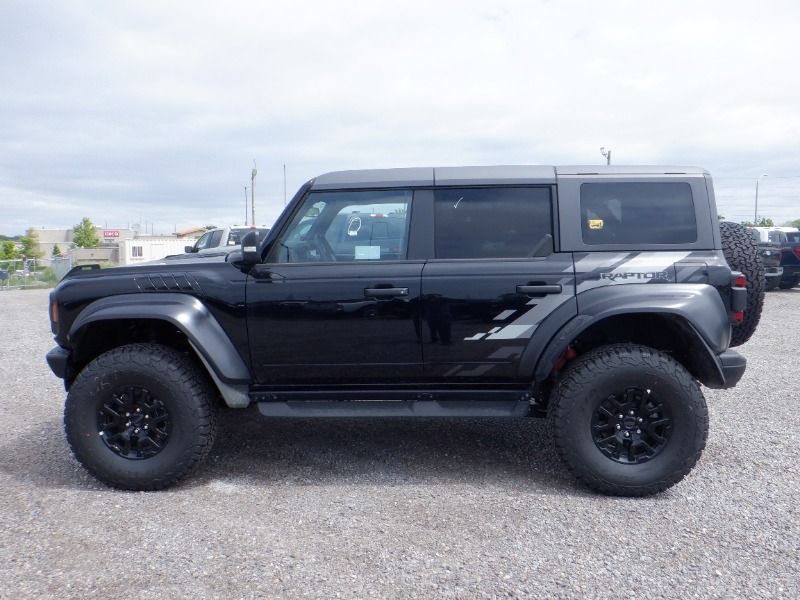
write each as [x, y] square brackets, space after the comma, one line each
[245, 206]
[253, 174]
[755, 215]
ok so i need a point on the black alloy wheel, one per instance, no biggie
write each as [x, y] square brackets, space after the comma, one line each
[631, 427]
[134, 423]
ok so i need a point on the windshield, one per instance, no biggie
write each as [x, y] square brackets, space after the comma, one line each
[793, 237]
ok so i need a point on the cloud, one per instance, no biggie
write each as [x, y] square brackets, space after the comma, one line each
[121, 110]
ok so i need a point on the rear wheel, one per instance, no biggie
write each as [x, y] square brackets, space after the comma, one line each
[140, 417]
[628, 420]
[741, 252]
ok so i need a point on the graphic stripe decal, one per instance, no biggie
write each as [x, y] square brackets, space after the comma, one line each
[504, 315]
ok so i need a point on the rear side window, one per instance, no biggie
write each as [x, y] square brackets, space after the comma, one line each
[637, 213]
[793, 237]
[493, 222]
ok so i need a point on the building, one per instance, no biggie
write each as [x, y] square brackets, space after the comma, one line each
[63, 238]
[117, 245]
[193, 232]
[151, 247]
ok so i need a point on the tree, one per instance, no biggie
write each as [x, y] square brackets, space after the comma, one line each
[56, 253]
[795, 223]
[721, 217]
[30, 244]
[84, 234]
[8, 250]
[210, 227]
[762, 222]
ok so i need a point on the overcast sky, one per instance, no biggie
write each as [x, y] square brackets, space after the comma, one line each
[153, 112]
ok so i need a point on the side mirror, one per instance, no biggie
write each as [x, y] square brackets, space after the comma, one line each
[188, 249]
[250, 254]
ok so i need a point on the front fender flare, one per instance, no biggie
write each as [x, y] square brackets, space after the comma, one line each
[185, 312]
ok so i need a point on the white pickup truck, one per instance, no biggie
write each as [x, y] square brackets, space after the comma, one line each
[223, 240]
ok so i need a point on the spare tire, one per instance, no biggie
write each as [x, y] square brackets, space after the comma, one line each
[741, 252]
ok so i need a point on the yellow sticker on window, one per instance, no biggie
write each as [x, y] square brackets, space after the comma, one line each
[595, 223]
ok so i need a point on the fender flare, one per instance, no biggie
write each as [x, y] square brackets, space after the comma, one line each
[186, 313]
[698, 306]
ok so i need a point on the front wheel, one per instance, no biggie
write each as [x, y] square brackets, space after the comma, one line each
[628, 420]
[140, 417]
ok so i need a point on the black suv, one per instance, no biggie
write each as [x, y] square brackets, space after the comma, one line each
[597, 296]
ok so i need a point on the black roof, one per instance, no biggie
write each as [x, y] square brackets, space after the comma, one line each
[481, 175]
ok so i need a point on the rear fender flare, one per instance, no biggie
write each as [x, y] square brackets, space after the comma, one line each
[699, 306]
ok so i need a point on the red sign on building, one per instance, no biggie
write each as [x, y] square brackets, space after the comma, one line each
[110, 233]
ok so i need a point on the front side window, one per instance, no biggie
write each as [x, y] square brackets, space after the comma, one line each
[348, 227]
[493, 222]
[637, 213]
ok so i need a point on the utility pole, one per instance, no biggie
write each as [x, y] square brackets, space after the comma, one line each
[284, 184]
[606, 153]
[755, 215]
[245, 206]
[253, 174]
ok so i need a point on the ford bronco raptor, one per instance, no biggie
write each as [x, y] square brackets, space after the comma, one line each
[599, 297]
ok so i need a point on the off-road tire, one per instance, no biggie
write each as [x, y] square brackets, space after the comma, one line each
[176, 381]
[741, 252]
[590, 380]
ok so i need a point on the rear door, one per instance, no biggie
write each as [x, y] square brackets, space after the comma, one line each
[493, 279]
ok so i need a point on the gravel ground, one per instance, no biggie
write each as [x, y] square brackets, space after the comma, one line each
[400, 508]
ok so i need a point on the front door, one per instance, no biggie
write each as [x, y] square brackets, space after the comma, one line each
[337, 300]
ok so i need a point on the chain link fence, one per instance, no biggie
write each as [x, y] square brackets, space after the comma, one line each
[22, 273]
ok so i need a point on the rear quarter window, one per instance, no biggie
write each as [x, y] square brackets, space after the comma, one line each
[637, 213]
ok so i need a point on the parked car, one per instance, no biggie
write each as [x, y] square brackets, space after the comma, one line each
[789, 239]
[769, 249]
[599, 296]
[222, 240]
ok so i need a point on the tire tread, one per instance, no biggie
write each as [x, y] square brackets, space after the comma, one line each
[583, 371]
[181, 371]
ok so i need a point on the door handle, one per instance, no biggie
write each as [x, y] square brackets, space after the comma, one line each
[539, 290]
[385, 292]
